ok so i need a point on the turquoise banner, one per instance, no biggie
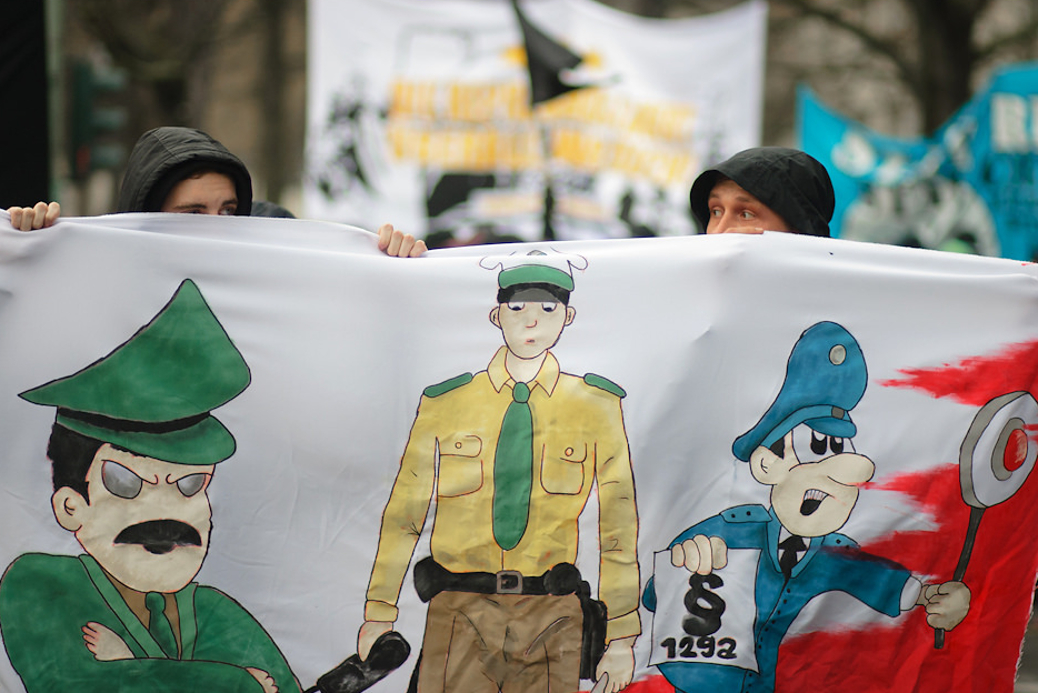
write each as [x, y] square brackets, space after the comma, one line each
[972, 187]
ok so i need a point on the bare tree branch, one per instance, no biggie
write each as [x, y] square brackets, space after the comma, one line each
[1021, 36]
[969, 7]
[153, 41]
[888, 49]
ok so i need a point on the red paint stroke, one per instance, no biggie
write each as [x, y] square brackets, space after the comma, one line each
[976, 380]
[981, 654]
[651, 684]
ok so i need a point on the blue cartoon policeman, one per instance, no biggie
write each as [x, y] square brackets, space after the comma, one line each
[802, 448]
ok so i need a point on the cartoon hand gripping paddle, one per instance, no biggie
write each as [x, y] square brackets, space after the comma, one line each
[995, 459]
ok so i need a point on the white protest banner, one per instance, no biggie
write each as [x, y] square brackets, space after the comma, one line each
[420, 115]
[270, 433]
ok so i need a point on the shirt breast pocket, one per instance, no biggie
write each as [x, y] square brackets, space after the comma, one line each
[461, 467]
[562, 468]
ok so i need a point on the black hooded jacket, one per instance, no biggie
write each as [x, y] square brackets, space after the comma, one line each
[789, 182]
[165, 156]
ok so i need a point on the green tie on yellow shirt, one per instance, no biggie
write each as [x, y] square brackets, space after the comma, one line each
[513, 470]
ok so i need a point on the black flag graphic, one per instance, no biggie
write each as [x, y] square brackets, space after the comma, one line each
[546, 59]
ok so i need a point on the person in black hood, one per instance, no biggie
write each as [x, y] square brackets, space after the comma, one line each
[764, 189]
[171, 169]
[165, 161]
[184, 170]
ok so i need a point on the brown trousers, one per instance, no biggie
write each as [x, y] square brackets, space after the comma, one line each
[476, 643]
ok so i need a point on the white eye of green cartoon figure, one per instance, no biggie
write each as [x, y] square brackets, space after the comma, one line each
[192, 484]
[549, 307]
[120, 481]
[516, 305]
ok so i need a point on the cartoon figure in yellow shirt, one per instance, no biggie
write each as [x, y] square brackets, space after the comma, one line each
[518, 448]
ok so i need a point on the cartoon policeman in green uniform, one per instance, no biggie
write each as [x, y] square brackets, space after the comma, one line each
[134, 448]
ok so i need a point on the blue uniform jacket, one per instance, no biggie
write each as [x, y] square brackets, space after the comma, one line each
[832, 563]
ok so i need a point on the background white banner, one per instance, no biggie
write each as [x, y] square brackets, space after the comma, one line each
[420, 115]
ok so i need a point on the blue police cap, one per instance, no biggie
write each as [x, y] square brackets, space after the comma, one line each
[825, 379]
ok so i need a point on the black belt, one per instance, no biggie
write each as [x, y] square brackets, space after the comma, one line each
[431, 578]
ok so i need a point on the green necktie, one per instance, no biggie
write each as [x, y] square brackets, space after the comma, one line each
[158, 624]
[513, 470]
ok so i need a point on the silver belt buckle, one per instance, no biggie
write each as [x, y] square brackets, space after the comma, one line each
[509, 582]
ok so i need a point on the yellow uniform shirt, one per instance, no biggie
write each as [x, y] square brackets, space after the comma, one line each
[579, 440]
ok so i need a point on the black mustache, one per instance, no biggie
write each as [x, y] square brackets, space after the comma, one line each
[160, 536]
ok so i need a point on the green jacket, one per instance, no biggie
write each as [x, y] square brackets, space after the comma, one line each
[45, 601]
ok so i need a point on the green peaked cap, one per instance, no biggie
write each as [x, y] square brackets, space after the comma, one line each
[153, 394]
[535, 267]
[535, 274]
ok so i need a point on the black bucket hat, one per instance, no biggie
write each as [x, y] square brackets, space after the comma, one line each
[791, 183]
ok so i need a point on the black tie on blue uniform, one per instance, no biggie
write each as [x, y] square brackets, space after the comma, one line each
[788, 553]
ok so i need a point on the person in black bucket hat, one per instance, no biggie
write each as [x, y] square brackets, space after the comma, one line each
[764, 189]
